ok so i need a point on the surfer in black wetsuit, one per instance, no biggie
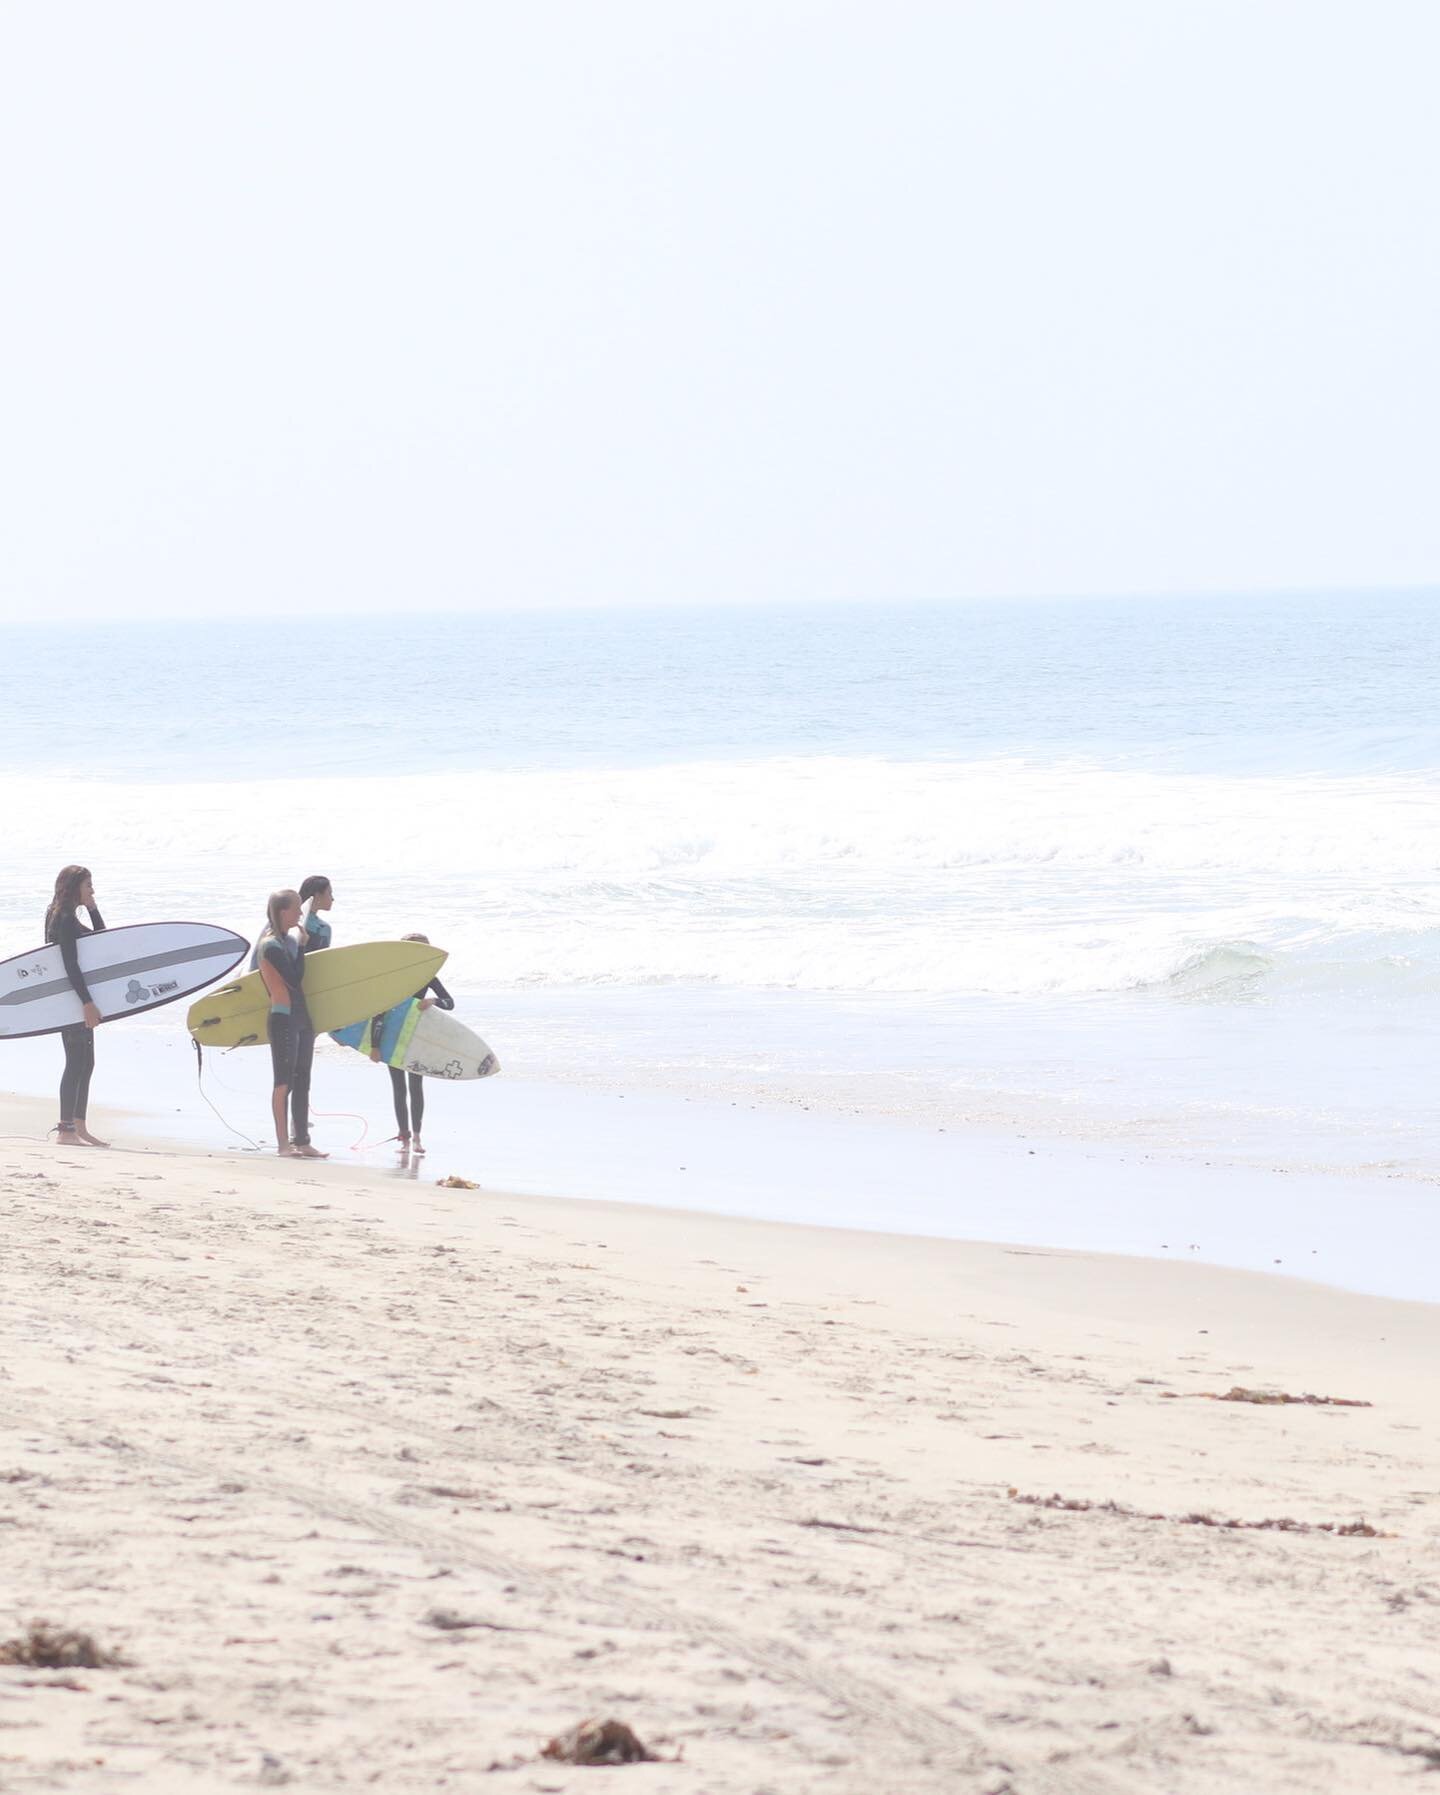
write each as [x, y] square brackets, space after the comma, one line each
[281, 963]
[74, 891]
[408, 1118]
[314, 934]
[310, 934]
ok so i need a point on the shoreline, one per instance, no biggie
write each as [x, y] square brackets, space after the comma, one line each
[628, 1216]
[779, 1497]
[1124, 1286]
[1368, 1231]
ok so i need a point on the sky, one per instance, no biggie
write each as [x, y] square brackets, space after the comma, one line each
[329, 305]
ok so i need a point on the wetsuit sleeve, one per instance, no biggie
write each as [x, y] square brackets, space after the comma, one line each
[66, 939]
[275, 956]
[443, 999]
[97, 921]
[277, 987]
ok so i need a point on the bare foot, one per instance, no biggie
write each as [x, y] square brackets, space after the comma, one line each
[417, 1148]
[86, 1139]
[287, 1151]
[308, 1152]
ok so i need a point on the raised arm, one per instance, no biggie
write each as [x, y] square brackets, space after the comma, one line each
[443, 999]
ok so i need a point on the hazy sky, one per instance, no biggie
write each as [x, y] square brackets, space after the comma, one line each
[328, 305]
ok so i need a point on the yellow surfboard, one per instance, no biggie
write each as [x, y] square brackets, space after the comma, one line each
[342, 985]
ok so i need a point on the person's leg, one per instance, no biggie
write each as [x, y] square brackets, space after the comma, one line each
[402, 1114]
[70, 1040]
[82, 1095]
[300, 1090]
[282, 1059]
[279, 1111]
[417, 1106]
[300, 1084]
[85, 1065]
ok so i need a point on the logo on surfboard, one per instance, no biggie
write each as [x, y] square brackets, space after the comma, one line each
[135, 992]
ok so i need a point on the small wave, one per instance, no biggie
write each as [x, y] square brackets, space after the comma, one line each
[1226, 967]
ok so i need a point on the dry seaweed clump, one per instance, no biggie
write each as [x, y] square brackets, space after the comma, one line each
[1360, 1529]
[1272, 1398]
[43, 1647]
[598, 1742]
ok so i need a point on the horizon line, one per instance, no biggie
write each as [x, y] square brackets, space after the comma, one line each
[585, 607]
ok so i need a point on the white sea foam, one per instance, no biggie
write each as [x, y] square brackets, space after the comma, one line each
[808, 872]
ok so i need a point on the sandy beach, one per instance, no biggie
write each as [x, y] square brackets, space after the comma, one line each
[850, 596]
[383, 1484]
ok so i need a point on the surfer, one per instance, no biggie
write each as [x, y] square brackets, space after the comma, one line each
[317, 894]
[281, 962]
[74, 890]
[409, 1117]
[312, 932]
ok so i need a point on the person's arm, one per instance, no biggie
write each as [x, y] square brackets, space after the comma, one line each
[97, 921]
[275, 986]
[67, 940]
[443, 999]
[376, 1024]
[273, 971]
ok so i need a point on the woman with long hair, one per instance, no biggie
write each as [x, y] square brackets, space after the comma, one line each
[281, 962]
[75, 891]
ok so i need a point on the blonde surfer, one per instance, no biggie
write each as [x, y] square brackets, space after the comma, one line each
[280, 960]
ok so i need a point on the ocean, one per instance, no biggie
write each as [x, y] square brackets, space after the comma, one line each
[1153, 879]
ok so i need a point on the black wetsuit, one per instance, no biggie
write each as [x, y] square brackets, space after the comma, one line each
[317, 936]
[65, 931]
[292, 1038]
[406, 1121]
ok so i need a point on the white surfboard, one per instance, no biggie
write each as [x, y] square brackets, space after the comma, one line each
[442, 1047]
[431, 1043]
[130, 969]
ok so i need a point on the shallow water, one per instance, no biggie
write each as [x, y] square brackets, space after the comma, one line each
[795, 1156]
